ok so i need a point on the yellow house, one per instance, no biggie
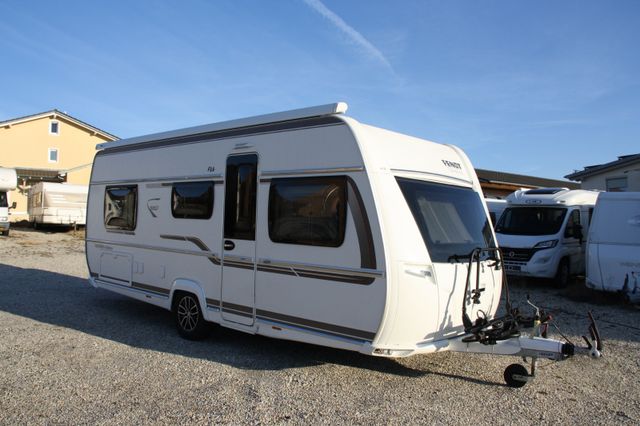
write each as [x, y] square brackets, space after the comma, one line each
[51, 146]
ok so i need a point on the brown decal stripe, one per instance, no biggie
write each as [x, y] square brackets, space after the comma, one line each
[301, 271]
[213, 303]
[363, 226]
[316, 325]
[364, 237]
[237, 264]
[247, 311]
[114, 278]
[198, 243]
[241, 310]
[275, 269]
[134, 285]
[336, 277]
[150, 288]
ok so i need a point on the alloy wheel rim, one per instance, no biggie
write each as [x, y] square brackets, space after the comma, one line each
[188, 313]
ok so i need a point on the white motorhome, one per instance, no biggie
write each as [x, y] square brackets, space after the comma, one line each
[542, 232]
[613, 247]
[51, 203]
[496, 207]
[309, 226]
[8, 182]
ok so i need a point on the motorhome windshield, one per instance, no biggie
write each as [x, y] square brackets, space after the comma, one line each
[3, 199]
[452, 220]
[531, 220]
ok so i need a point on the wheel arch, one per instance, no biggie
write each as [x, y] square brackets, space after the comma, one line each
[188, 286]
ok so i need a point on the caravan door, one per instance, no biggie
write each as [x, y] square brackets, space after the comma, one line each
[239, 242]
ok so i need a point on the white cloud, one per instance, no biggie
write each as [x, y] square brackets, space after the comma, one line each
[357, 38]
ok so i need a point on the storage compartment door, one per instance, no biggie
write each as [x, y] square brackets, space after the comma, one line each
[116, 268]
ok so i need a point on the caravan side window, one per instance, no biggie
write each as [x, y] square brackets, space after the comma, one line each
[192, 200]
[308, 211]
[120, 207]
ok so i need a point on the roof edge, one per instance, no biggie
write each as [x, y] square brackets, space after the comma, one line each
[55, 113]
[594, 170]
[337, 108]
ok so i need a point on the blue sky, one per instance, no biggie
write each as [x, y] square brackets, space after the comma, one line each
[538, 87]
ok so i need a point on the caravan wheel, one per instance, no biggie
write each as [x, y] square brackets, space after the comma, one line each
[188, 316]
[516, 376]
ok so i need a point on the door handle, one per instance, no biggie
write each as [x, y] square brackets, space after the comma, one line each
[229, 245]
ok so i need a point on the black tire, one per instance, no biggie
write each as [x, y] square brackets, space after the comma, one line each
[511, 374]
[563, 274]
[188, 317]
[5, 233]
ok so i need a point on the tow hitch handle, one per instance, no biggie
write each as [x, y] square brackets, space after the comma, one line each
[595, 344]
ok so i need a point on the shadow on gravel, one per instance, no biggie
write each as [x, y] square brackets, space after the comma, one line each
[70, 302]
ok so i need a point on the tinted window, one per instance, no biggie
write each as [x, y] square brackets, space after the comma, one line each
[3, 199]
[451, 219]
[120, 207]
[574, 219]
[531, 220]
[192, 200]
[240, 197]
[492, 215]
[308, 211]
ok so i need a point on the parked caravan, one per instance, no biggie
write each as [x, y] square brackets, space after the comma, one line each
[309, 226]
[52, 203]
[8, 182]
[496, 207]
[613, 248]
[542, 232]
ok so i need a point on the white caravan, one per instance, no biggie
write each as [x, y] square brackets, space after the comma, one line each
[496, 207]
[542, 233]
[52, 203]
[613, 248]
[310, 226]
[8, 182]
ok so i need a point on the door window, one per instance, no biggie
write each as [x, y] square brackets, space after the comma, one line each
[571, 229]
[240, 197]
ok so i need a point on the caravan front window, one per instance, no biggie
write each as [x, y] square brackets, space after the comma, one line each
[531, 220]
[451, 219]
[3, 199]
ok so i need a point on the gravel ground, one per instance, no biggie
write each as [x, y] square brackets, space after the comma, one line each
[72, 354]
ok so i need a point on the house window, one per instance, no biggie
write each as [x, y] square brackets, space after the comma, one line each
[120, 207]
[308, 211]
[53, 155]
[54, 127]
[617, 184]
[192, 200]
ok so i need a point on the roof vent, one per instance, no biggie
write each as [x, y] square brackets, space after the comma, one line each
[545, 191]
